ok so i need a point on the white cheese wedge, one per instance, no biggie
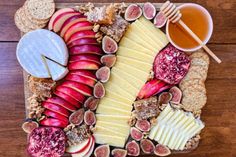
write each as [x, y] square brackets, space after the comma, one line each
[111, 94]
[113, 111]
[108, 131]
[113, 140]
[113, 103]
[36, 44]
[124, 128]
[112, 118]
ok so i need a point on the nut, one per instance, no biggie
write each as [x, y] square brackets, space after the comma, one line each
[96, 27]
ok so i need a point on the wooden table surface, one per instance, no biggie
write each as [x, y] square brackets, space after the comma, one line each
[219, 135]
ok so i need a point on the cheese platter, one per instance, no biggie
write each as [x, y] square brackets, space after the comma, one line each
[112, 79]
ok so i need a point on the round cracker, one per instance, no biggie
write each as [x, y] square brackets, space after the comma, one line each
[200, 62]
[197, 87]
[196, 72]
[200, 54]
[184, 84]
[40, 10]
[19, 23]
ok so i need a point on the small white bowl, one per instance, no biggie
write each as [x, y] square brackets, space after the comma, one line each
[210, 29]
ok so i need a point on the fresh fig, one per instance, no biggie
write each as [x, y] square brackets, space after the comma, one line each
[99, 90]
[77, 117]
[143, 125]
[164, 98]
[161, 150]
[132, 12]
[102, 151]
[176, 95]
[89, 118]
[160, 20]
[119, 152]
[147, 146]
[132, 148]
[136, 134]
[109, 45]
[103, 74]
[149, 10]
[91, 103]
[108, 60]
[29, 126]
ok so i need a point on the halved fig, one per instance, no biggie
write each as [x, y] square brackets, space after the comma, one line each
[102, 151]
[77, 117]
[149, 10]
[164, 98]
[53, 122]
[98, 90]
[91, 103]
[108, 60]
[109, 45]
[29, 126]
[119, 152]
[103, 74]
[162, 150]
[143, 125]
[52, 114]
[136, 134]
[89, 118]
[147, 146]
[132, 12]
[176, 95]
[132, 148]
[160, 20]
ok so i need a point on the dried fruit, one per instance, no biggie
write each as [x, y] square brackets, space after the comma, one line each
[91, 103]
[132, 148]
[164, 98]
[119, 152]
[29, 126]
[102, 151]
[147, 146]
[103, 74]
[143, 125]
[77, 117]
[109, 45]
[161, 150]
[160, 20]
[99, 90]
[133, 12]
[176, 95]
[89, 118]
[136, 134]
[149, 10]
[108, 60]
[46, 141]
[171, 65]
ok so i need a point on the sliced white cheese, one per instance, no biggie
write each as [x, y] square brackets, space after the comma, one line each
[112, 118]
[108, 131]
[56, 70]
[113, 140]
[111, 110]
[124, 128]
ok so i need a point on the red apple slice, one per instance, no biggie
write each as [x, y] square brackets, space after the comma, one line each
[83, 65]
[52, 114]
[68, 98]
[71, 92]
[81, 34]
[83, 41]
[79, 87]
[70, 21]
[57, 14]
[83, 152]
[85, 73]
[85, 57]
[53, 122]
[59, 101]
[80, 79]
[79, 26]
[79, 147]
[56, 108]
[89, 153]
[85, 49]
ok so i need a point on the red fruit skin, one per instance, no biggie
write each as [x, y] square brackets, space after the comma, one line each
[147, 146]
[68, 98]
[83, 41]
[85, 57]
[143, 125]
[85, 49]
[136, 134]
[132, 148]
[79, 87]
[151, 88]
[55, 115]
[85, 73]
[89, 118]
[81, 34]
[53, 122]
[80, 79]
[59, 101]
[46, 142]
[83, 65]
[102, 151]
[56, 108]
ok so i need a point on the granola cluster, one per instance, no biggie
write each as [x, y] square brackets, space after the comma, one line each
[35, 109]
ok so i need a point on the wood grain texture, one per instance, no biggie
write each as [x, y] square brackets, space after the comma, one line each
[218, 138]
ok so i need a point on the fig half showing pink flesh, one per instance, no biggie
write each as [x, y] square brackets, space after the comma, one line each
[147, 146]
[108, 60]
[149, 10]
[176, 95]
[161, 150]
[109, 45]
[160, 20]
[103, 74]
[132, 12]
[102, 151]
[132, 148]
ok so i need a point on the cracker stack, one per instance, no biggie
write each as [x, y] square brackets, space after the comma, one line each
[34, 14]
[192, 86]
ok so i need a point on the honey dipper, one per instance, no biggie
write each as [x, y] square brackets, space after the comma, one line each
[174, 15]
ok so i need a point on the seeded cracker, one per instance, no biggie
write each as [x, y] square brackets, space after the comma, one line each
[19, 23]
